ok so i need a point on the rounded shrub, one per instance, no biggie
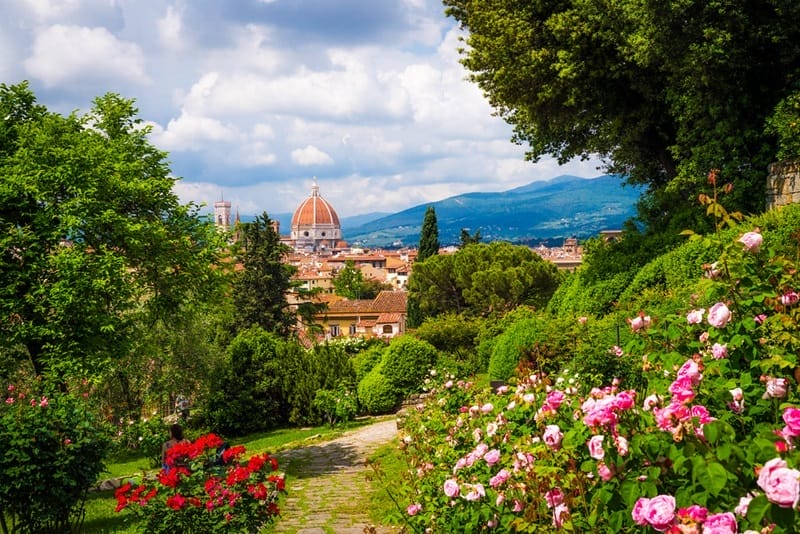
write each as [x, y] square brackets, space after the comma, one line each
[366, 360]
[406, 362]
[376, 393]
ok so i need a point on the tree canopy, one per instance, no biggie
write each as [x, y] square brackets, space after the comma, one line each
[350, 283]
[662, 91]
[481, 279]
[93, 242]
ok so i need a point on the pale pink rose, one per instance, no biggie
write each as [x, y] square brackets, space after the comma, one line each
[414, 509]
[791, 416]
[760, 318]
[552, 437]
[703, 338]
[720, 524]
[500, 478]
[719, 315]
[639, 322]
[595, 445]
[622, 445]
[518, 506]
[474, 492]
[604, 471]
[777, 388]
[652, 401]
[661, 512]
[695, 316]
[780, 483]
[691, 370]
[492, 457]
[751, 241]
[711, 271]
[737, 394]
[790, 298]
[488, 407]
[554, 497]
[560, 514]
[639, 512]
[582, 320]
[451, 488]
[719, 351]
[744, 503]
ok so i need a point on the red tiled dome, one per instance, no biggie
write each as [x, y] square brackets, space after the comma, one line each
[315, 210]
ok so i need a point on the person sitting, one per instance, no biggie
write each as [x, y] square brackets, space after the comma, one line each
[175, 437]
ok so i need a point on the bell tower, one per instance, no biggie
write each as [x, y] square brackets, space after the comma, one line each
[222, 214]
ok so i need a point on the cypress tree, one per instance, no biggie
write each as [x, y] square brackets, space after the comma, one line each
[429, 237]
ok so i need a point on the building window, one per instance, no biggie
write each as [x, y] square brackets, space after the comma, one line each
[305, 233]
[335, 332]
[387, 329]
[323, 234]
[353, 329]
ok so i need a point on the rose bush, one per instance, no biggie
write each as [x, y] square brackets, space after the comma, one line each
[707, 445]
[202, 491]
[53, 450]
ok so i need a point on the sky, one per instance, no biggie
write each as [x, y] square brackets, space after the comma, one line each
[253, 99]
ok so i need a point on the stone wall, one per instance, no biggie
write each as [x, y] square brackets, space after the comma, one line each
[783, 184]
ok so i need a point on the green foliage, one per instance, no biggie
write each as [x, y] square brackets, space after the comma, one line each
[406, 362]
[53, 449]
[483, 278]
[517, 344]
[338, 405]
[366, 360]
[349, 282]
[95, 240]
[376, 394]
[450, 332]
[246, 393]
[260, 290]
[429, 236]
[304, 372]
[145, 436]
[785, 124]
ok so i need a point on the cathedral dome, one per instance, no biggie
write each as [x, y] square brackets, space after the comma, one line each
[315, 210]
[315, 224]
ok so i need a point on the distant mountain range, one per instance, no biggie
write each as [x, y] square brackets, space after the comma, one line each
[540, 212]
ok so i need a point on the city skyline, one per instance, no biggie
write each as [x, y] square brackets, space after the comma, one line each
[254, 98]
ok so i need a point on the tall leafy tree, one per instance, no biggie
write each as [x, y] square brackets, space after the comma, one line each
[261, 289]
[94, 244]
[429, 236]
[663, 91]
[349, 282]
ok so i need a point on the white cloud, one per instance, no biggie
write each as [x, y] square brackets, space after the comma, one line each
[68, 54]
[310, 155]
[170, 27]
[192, 132]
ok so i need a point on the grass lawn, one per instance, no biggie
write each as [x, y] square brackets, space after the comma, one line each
[387, 470]
[100, 515]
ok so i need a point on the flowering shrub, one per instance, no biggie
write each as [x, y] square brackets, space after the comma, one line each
[53, 453]
[707, 445]
[145, 435]
[202, 492]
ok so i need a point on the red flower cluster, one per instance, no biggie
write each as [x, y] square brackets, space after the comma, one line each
[241, 488]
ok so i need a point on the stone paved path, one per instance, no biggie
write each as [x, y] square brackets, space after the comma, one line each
[329, 492]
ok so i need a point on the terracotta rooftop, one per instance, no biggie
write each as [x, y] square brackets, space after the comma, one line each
[390, 302]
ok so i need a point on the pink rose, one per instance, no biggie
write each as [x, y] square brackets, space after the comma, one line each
[744, 503]
[639, 322]
[555, 399]
[554, 497]
[661, 512]
[789, 298]
[791, 416]
[604, 471]
[719, 315]
[695, 316]
[639, 512]
[451, 488]
[413, 509]
[719, 352]
[596, 447]
[492, 457]
[751, 241]
[720, 524]
[552, 437]
[622, 445]
[780, 484]
[475, 492]
[694, 513]
[582, 320]
[652, 401]
[500, 478]
[560, 514]
[777, 388]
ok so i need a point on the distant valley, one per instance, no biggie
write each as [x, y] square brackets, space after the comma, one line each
[540, 212]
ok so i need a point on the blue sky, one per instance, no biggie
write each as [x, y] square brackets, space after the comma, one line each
[254, 98]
